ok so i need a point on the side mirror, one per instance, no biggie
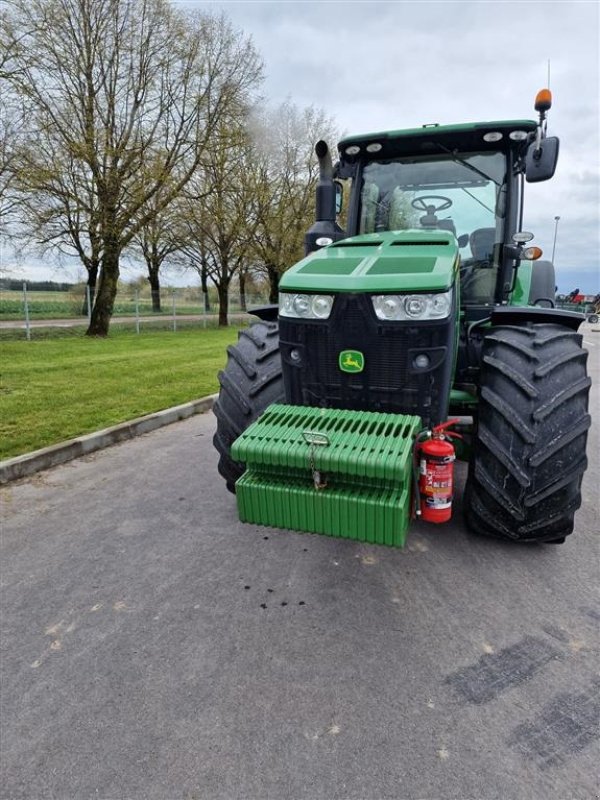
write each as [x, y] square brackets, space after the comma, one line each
[540, 163]
[339, 197]
[463, 240]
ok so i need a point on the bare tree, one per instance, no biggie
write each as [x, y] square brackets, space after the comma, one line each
[286, 175]
[157, 240]
[133, 91]
[9, 131]
[220, 217]
[59, 211]
[11, 123]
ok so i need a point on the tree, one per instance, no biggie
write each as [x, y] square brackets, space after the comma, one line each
[220, 217]
[133, 91]
[59, 208]
[9, 128]
[157, 240]
[286, 176]
[11, 122]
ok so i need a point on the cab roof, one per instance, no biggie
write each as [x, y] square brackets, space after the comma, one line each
[467, 137]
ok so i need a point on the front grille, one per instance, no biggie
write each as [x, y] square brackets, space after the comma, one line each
[389, 382]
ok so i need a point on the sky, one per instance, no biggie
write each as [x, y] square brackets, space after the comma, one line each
[388, 65]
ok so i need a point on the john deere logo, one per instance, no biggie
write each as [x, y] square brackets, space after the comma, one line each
[351, 361]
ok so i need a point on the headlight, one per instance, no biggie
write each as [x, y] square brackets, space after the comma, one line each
[306, 306]
[413, 306]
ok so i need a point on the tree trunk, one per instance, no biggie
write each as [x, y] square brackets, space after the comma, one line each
[204, 283]
[154, 281]
[107, 291]
[91, 282]
[242, 279]
[274, 275]
[223, 292]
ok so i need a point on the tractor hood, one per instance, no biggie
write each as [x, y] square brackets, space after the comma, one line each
[389, 261]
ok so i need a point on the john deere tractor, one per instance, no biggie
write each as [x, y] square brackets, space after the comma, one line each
[429, 304]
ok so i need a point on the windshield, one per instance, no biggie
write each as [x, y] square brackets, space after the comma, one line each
[462, 194]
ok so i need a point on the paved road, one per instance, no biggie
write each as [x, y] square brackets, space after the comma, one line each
[154, 647]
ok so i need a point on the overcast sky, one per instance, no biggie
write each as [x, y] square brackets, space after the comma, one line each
[385, 65]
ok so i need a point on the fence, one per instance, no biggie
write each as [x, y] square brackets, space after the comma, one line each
[34, 311]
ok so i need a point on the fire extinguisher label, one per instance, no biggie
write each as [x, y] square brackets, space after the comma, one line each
[436, 484]
[435, 479]
[438, 502]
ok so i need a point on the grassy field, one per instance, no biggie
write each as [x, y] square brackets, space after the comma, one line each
[155, 325]
[59, 305]
[58, 388]
[67, 305]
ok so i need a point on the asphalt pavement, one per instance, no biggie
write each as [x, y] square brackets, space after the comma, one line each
[155, 647]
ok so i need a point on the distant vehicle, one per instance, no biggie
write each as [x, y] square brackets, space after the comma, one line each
[587, 304]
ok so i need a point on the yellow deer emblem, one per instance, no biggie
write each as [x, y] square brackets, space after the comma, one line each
[351, 361]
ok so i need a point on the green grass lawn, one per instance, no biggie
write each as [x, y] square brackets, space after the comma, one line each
[59, 305]
[55, 389]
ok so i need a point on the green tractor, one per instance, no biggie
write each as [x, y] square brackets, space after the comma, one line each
[430, 304]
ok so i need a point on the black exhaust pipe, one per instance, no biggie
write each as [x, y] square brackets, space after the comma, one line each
[325, 209]
[325, 230]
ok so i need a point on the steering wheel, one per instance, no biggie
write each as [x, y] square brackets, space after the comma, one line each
[420, 204]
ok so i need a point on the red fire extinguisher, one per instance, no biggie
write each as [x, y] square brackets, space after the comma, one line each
[436, 467]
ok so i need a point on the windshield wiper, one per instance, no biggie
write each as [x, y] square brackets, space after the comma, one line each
[467, 165]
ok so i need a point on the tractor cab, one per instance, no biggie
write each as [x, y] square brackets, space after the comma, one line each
[465, 196]
[463, 179]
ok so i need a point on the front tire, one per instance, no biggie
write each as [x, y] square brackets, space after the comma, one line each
[251, 381]
[528, 459]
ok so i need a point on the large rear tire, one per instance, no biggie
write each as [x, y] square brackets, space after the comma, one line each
[251, 381]
[528, 459]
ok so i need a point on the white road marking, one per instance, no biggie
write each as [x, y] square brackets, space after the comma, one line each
[590, 344]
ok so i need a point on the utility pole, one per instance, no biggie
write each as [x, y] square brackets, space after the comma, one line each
[555, 232]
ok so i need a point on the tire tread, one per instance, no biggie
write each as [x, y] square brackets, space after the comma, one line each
[250, 381]
[533, 383]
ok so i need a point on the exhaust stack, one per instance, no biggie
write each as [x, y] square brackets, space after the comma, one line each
[325, 209]
[325, 227]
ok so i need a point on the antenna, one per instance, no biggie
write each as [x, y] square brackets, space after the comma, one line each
[548, 84]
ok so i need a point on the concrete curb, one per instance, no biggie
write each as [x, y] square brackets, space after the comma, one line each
[28, 464]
